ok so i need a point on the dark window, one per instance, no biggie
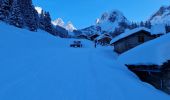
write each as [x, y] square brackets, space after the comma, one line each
[141, 39]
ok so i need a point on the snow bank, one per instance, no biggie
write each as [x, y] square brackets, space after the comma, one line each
[152, 52]
[38, 66]
[158, 29]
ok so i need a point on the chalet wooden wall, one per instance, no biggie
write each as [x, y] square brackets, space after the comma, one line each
[131, 41]
[158, 76]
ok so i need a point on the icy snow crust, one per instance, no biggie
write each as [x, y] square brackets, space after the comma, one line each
[37, 66]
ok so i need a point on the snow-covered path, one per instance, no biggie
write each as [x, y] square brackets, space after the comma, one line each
[76, 74]
[37, 66]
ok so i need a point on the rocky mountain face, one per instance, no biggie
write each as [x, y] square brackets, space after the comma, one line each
[110, 22]
[162, 16]
[115, 23]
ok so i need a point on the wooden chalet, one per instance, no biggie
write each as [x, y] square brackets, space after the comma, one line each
[131, 39]
[93, 36]
[104, 39]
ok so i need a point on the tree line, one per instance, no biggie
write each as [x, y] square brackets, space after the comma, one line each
[22, 14]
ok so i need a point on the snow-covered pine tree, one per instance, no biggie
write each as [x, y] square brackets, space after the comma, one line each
[47, 23]
[148, 24]
[41, 20]
[5, 9]
[15, 16]
[30, 18]
[30, 15]
[133, 25]
[142, 24]
[1, 2]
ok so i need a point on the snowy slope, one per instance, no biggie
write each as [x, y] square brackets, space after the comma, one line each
[161, 16]
[152, 52]
[158, 29]
[37, 66]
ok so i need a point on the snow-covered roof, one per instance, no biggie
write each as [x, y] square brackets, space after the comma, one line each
[158, 29]
[128, 33]
[94, 34]
[103, 36]
[152, 52]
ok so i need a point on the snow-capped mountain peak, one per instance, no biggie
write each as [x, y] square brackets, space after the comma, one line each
[112, 16]
[38, 9]
[97, 21]
[111, 20]
[161, 16]
[108, 23]
[69, 26]
[58, 22]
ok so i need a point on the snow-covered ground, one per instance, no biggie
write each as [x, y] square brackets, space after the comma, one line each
[153, 52]
[38, 66]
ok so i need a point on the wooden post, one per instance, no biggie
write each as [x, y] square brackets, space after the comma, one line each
[161, 83]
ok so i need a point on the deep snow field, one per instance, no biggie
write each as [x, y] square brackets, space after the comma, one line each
[39, 66]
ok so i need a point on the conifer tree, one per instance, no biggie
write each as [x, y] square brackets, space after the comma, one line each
[47, 22]
[30, 19]
[30, 15]
[15, 17]
[4, 9]
[148, 24]
[141, 24]
[41, 20]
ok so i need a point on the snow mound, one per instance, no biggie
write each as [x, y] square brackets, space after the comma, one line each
[38, 66]
[158, 29]
[153, 52]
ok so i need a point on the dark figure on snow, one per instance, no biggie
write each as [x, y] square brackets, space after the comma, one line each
[95, 43]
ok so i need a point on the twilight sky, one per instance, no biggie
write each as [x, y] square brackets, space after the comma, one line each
[82, 13]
